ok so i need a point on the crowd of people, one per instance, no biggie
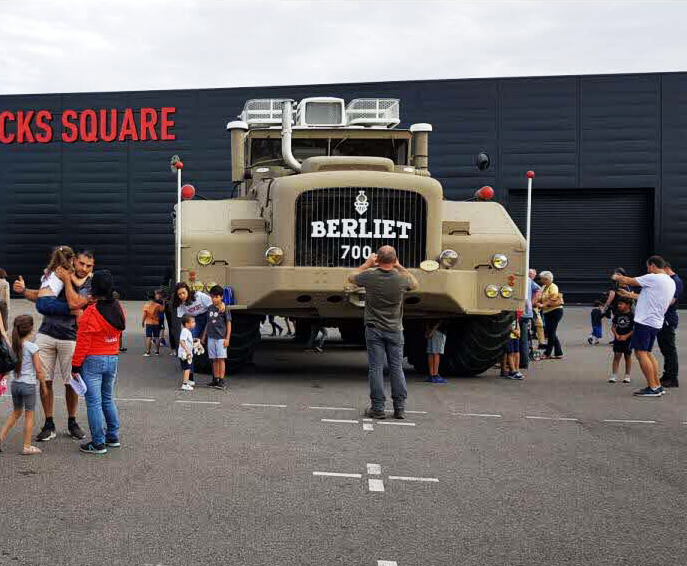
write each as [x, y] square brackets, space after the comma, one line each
[80, 336]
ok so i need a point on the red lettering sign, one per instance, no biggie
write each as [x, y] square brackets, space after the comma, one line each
[88, 125]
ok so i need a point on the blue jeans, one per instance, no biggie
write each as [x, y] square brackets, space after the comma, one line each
[100, 374]
[379, 344]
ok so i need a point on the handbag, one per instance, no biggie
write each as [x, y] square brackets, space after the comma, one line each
[8, 360]
[556, 302]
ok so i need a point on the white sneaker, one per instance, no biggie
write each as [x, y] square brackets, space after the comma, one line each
[191, 383]
[626, 379]
[612, 379]
[186, 387]
[146, 355]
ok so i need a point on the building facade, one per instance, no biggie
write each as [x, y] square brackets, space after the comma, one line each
[92, 170]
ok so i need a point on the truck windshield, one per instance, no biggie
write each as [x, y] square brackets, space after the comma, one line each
[267, 151]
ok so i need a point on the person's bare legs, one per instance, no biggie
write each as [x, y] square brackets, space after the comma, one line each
[72, 401]
[48, 399]
[649, 368]
[9, 423]
[221, 368]
[628, 363]
[616, 362]
[149, 342]
[28, 428]
[654, 363]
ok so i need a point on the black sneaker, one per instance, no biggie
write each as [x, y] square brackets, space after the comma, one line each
[375, 414]
[75, 431]
[670, 383]
[112, 442]
[399, 414]
[648, 392]
[46, 433]
[220, 385]
[90, 448]
[213, 383]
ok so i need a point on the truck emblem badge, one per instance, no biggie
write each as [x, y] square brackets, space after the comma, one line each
[361, 203]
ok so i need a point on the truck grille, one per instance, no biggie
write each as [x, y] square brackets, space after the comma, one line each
[357, 226]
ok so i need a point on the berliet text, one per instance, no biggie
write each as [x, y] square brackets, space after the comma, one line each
[352, 228]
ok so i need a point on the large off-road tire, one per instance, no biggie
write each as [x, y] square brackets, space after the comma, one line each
[473, 344]
[245, 335]
[353, 332]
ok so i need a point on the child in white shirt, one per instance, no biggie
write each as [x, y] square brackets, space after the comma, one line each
[47, 302]
[185, 351]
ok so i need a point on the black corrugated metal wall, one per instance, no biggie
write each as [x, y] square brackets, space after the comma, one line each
[613, 132]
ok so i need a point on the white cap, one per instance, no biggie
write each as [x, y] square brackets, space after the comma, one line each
[237, 125]
[422, 127]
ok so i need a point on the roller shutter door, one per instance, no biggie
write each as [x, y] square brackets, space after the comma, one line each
[581, 235]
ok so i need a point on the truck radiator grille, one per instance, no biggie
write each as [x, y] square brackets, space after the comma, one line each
[339, 227]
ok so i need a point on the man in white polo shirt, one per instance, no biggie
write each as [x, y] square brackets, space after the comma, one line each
[658, 290]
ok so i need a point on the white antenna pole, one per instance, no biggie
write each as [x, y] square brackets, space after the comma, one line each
[530, 176]
[179, 225]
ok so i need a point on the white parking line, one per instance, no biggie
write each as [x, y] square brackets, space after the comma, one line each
[550, 418]
[262, 405]
[332, 408]
[409, 412]
[368, 426]
[387, 422]
[477, 415]
[387, 563]
[375, 485]
[142, 400]
[339, 421]
[337, 475]
[198, 402]
[627, 421]
[374, 469]
[410, 478]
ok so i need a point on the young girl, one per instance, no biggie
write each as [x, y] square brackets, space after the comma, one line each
[26, 374]
[47, 302]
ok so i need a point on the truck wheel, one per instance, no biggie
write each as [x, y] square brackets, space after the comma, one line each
[353, 332]
[245, 336]
[302, 330]
[473, 345]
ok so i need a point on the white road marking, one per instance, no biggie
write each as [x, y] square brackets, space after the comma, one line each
[477, 415]
[368, 426]
[410, 478]
[199, 402]
[142, 400]
[332, 408]
[375, 485]
[337, 475]
[627, 421]
[374, 469]
[262, 405]
[550, 418]
[387, 422]
[387, 563]
[339, 421]
[409, 412]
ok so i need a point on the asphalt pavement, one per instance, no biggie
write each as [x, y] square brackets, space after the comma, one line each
[283, 469]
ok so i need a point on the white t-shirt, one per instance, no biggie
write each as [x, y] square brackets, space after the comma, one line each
[186, 338]
[54, 282]
[28, 370]
[658, 290]
[200, 305]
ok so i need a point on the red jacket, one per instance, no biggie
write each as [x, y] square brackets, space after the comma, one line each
[99, 330]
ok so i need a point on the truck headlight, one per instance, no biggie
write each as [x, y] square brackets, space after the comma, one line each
[448, 258]
[506, 291]
[209, 286]
[499, 261]
[274, 255]
[205, 257]
[491, 291]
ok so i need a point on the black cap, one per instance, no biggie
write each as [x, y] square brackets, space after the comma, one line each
[101, 284]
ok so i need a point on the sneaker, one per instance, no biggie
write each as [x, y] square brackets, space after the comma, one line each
[90, 448]
[213, 383]
[428, 379]
[172, 353]
[186, 387]
[220, 385]
[158, 353]
[439, 379]
[122, 349]
[318, 350]
[399, 414]
[146, 355]
[669, 383]
[626, 379]
[516, 375]
[375, 414]
[648, 392]
[46, 433]
[112, 442]
[612, 379]
[590, 340]
[191, 383]
[75, 431]
[163, 342]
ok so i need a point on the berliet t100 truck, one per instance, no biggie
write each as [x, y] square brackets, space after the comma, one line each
[319, 186]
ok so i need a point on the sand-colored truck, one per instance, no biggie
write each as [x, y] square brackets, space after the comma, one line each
[318, 186]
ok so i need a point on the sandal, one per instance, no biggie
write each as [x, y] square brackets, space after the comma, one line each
[30, 451]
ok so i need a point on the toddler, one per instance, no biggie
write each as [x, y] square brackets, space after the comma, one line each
[597, 316]
[185, 351]
[47, 302]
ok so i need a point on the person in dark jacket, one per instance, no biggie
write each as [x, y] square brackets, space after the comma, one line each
[95, 358]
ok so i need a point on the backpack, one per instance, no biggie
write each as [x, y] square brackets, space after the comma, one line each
[7, 358]
[228, 298]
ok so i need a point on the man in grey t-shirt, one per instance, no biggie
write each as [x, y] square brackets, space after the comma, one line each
[385, 282]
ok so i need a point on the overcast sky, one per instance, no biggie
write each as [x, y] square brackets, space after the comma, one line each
[91, 45]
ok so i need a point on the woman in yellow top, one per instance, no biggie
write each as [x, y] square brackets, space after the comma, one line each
[551, 304]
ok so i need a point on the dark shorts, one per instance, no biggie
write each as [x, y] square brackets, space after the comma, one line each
[23, 396]
[643, 337]
[513, 346]
[152, 330]
[186, 365]
[622, 346]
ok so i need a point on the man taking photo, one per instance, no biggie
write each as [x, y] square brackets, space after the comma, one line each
[385, 282]
[56, 340]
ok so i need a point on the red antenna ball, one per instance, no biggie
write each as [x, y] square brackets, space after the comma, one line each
[188, 192]
[530, 174]
[179, 165]
[485, 193]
